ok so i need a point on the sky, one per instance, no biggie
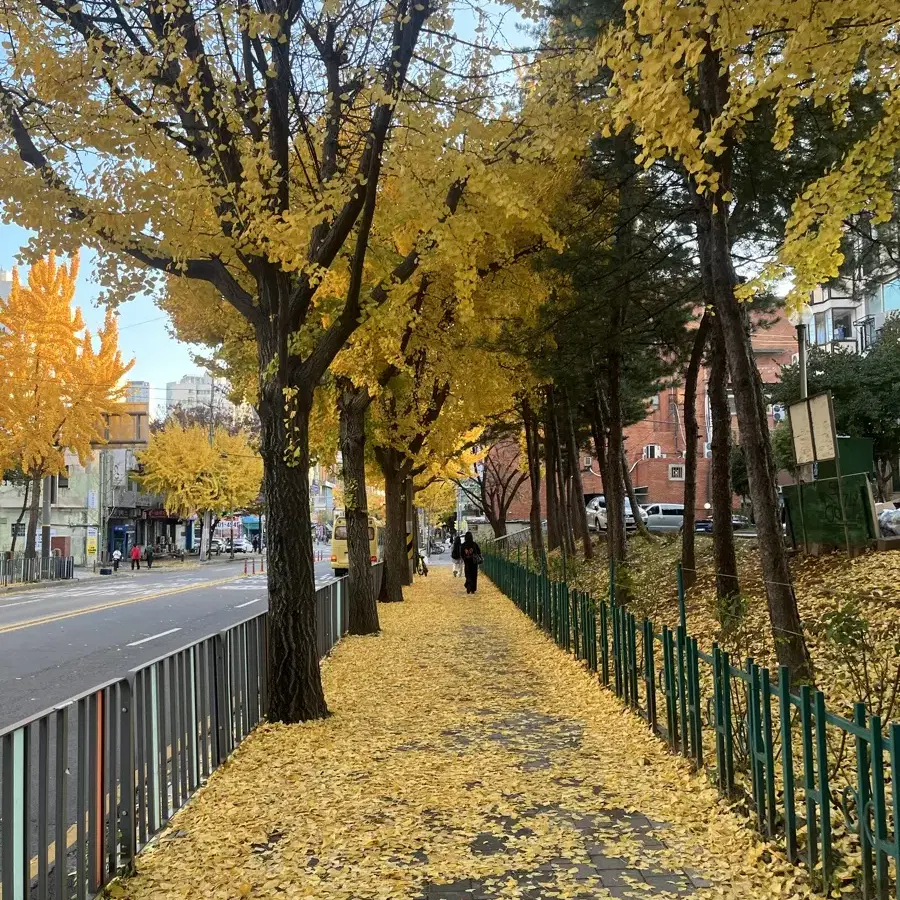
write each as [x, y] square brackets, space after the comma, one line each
[143, 328]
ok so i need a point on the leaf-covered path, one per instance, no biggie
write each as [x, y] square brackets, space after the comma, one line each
[466, 757]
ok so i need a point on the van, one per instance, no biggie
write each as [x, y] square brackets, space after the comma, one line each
[339, 563]
[664, 516]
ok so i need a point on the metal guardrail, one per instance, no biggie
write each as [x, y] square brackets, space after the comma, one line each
[39, 568]
[827, 787]
[67, 826]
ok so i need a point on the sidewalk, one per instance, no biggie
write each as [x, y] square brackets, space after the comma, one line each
[466, 757]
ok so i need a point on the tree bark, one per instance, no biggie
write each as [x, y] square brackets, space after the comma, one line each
[692, 437]
[12, 545]
[534, 478]
[294, 678]
[395, 562]
[352, 404]
[579, 510]
[787, 627]
[566, 534]
[614, 486]
[33, 515]
[632, 499]
[553, 526]
[410, 526]
[728, 586]
[598, 432]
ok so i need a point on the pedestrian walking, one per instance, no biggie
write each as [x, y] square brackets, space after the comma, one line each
[117, 558]
[471, 557]
[135, 557]
[149, 557]
[456, 556]
[255, 544]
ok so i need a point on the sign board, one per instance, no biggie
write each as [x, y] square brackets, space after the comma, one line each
[812, 429]
[91, 547]
[92, 500]
[314, 489]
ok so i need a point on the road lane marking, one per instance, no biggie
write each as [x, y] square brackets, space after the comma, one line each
[248, 603]
[21, 603]
[152, 637]
[58, 617]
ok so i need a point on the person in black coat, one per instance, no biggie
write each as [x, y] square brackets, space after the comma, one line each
[471, 557]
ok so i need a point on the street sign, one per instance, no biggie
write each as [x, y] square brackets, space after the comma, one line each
[92, 499]
[812, 429]
[314, 489]
[92, 540]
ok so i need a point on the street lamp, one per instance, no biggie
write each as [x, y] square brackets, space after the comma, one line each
[798, 320]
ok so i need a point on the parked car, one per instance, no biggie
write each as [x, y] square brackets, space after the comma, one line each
[596, 514]
[216, 545]
[738, 523]
[664, 516]
[241, 545]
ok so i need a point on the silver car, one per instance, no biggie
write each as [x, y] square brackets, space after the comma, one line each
[596, 514]
[664, 516]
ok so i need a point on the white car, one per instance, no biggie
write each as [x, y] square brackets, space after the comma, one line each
[596, 514]
[664, 516]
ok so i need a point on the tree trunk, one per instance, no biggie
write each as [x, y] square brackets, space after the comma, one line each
[33, 515]
[534, 478]
[885, 478]
[692, 437]
[395, 563]
[614, 486]
[566, 534]
[787, 627]
[352, 403]
[598, 432]
[632, 499]
[579, 510]
[553, 526]
[728, 586]
[410, 529]
[294, 677]
[12, 545]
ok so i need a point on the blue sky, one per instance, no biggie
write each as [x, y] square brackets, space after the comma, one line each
[143, 327]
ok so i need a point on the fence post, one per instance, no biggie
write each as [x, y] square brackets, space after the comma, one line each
[223, 730]
[787, 762]
[126, 818]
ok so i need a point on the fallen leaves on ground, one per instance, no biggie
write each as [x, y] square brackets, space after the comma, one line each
[464, 750]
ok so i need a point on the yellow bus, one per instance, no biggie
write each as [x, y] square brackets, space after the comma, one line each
[339, 561]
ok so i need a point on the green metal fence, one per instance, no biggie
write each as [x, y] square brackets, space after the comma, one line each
[826, 787]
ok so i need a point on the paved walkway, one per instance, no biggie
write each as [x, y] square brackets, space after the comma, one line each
[466, 757]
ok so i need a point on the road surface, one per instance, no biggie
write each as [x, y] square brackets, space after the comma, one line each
[60, 640]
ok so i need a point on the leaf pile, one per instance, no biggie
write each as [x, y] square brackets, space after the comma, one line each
[464, 751]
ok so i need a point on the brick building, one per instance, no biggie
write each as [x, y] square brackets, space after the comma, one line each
[655, 446]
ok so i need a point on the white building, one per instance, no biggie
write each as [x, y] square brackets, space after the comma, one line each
[5, 283]
[199, 392]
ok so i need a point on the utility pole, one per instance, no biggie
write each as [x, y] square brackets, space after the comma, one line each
[801, 345]
[45, 517]
[206, 536]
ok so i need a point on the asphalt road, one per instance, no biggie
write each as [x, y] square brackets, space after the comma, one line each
[60, 640]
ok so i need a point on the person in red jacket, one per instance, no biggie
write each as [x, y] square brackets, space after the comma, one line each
[135, 557]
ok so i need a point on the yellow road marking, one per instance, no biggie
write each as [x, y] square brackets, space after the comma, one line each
[71, 614]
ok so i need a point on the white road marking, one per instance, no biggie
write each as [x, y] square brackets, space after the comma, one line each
[20, 603]
[152, 637]
[248, 603]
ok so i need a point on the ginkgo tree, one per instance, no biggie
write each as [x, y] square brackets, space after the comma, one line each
[243, 147]
[57, 386]
[201, 473]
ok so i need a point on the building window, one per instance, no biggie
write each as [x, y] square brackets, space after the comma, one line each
[842, 320]
[823, 328]
[652, 451]
[732, 403]
[676, 472]
[654, 401]
[19, 528]
[62, 480]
